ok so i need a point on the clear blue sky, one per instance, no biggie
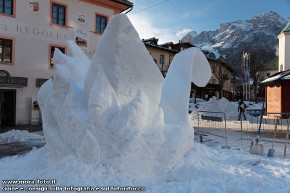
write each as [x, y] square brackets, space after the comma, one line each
[171, 19]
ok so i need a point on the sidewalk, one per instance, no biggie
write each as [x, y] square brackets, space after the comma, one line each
[11, 147]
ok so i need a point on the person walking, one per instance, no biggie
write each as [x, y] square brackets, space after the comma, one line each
[241, 108]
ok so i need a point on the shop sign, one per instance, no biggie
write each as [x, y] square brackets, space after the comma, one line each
[13, 81]
[81, 39]
[40, 81]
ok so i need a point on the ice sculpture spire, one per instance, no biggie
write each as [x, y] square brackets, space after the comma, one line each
[126, 62]
[188, 66]
[110, 111]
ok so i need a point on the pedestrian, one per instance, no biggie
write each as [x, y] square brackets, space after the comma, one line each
[241, 108]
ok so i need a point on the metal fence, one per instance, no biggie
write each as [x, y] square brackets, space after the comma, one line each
[212, 123]
[213, 129]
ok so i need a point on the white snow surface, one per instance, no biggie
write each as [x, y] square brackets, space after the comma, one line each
[97, 137]
[286, 77]
[223, 105]
[202, 169]
[18, 135]
[272, 78]
[117, 110]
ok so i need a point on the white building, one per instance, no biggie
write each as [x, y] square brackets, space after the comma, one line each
[284, 49]
[29, 32]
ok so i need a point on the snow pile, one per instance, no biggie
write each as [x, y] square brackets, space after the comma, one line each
[221, 105]
[195, 103]
[117, 110]
[18, 135]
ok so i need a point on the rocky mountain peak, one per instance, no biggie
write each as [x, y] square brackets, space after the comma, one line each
[232, 37]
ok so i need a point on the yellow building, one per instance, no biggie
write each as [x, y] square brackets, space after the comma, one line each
[222, 72]
[162, 56]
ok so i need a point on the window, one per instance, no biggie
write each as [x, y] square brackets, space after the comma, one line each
[161, 59]
[58, 15]
[6, 50]
[6, 7]
[101, 23]
[52, 48]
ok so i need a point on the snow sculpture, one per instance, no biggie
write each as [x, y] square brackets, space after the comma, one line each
[117, 109]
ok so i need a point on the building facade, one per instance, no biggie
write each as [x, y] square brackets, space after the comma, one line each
[284, 49]
[162, 56]
[277, 93]
[30, 30]
[219, 84]
[222, 72]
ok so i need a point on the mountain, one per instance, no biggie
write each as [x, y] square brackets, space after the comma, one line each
[259, 32]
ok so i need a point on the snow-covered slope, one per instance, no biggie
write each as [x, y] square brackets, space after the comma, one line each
[230, 38]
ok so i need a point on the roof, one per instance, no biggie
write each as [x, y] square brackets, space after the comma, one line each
[151, 41]
[278, 78]
[184, 43]
[125, 2]
[160, 47]
[167, 44]
[287, 28]
[227, 66]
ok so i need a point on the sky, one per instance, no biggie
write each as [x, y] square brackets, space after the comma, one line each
[170, 20]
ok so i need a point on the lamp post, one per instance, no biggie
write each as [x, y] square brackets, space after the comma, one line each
[246, 85]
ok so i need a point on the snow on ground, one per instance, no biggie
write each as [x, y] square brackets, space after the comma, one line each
[203, 169]
[20, 135]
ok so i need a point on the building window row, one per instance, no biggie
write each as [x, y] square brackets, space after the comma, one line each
[161, 59]
[58, 14]
[6, 7]
[101, 23]
[7, 49]
[52, 49]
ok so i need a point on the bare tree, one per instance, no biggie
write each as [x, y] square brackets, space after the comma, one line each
[222, 72]
[256, 65]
